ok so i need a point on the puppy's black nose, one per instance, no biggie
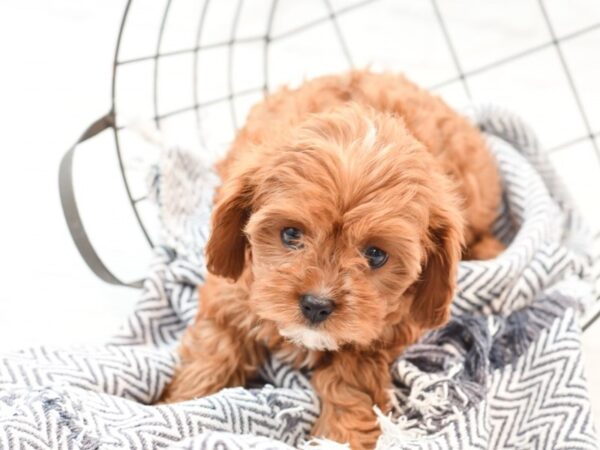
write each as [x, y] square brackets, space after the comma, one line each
[315, 309]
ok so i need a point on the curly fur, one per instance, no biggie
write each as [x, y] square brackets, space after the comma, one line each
[353, 160]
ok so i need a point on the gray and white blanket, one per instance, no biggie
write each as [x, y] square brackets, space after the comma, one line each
[506, 372]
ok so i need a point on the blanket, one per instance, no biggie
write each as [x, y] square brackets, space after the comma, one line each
[505, 372]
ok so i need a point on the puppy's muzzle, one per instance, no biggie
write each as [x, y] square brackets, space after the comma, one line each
[316, 309]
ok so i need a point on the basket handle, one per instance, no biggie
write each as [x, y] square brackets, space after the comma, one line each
[71, 212]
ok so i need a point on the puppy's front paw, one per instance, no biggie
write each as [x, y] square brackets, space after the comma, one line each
[348, 429]
[215, 356]
[319, 443]
[194, 380]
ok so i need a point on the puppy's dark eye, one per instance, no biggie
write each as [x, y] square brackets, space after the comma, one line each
[291, 238]
[375, 257]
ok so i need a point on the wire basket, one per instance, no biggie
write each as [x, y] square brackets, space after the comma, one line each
[196, 67]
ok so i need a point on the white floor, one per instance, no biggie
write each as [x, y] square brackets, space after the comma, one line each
[55, 79]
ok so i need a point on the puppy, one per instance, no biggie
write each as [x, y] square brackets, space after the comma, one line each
[345, 208]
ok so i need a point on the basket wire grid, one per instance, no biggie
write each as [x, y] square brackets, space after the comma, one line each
[325, 14]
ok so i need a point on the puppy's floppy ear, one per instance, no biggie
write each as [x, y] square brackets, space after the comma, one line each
[226, 247]
[437, 283]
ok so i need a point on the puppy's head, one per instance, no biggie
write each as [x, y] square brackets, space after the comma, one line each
[347, 227]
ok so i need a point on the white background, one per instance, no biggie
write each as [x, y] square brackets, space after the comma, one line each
[55, 79]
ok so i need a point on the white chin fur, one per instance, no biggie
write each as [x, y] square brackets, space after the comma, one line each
[309, 338]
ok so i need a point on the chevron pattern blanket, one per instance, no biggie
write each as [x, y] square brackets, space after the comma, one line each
[506, 372]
